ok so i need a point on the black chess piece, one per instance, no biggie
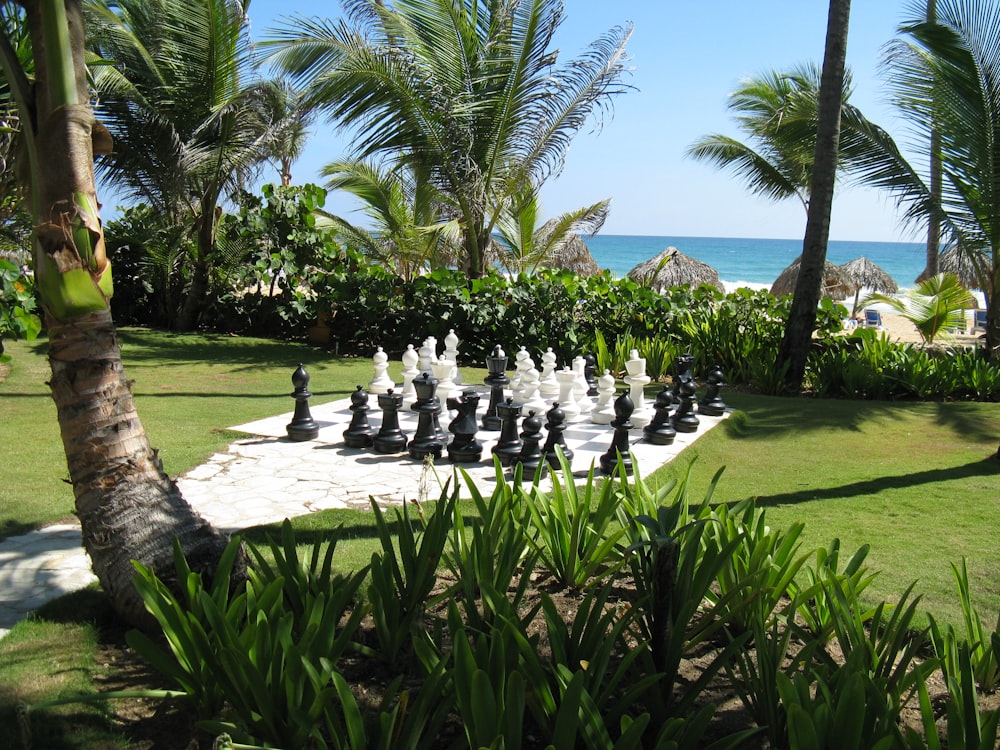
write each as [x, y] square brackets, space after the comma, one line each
[682, 371]
[531, 454]
[497, 380]
[555, 425]
[619, 451]
[509, 445]
[390, 438]
[359, 433]
[711, 403]
[684, 419]
[590, 373]
[303, 426]
[429, 439]
[464, 448]
[660, 431]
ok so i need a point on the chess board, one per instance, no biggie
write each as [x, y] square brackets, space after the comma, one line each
[397, 477]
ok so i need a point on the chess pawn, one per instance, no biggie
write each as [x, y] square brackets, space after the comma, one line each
[660, 431]
[429, 439]
[684, 419]
[410, 359]
[555, 426]
[451, 352]
[604, 410]
[637, 379]
[567, 383]
[390, 439]
[464, 448]
[426, 356]
[303, 426]
[580, 387]
[619, 443]
[532, 397]
[508, 447]
[381, 382]
[548, 386]
[497, 378]
[590, 373]
[521, 355]
[523, 365]
[531, 454]
[682, 371]
[359, 433]
[443, 369]
[711, 404]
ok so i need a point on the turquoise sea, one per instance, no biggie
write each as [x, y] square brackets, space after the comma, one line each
[753, 261]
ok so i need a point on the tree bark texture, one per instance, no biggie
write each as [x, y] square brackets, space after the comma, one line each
[795, 345]
[129, 509]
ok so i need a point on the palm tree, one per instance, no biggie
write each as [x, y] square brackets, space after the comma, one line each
[778, 112]
[190, 125]
[129, 509]
[291, 117]
[407, 232]
[936, 304]
[794, 349]
[942, 74]
[469, 93]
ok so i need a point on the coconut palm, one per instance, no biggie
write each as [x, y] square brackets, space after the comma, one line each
[934, 305]
[470, 93]
[190, 124]
[777, 111]
[404, 209]
[525, 244]
[795, 343]
[942, 72]
[129, 509]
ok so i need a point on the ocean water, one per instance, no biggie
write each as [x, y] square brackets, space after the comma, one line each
[756, 262]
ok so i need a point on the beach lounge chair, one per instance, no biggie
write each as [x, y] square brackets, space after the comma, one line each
[873, 319]
[979, 321]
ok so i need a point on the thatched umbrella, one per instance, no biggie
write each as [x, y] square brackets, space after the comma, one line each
[674, 268]
[970, 268]
[836, 283]
[868, 275]
[571, 255]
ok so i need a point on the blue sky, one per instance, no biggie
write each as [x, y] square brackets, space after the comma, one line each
[686, 58]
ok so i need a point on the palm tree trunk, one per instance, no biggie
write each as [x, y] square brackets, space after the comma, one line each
[795, 345]
[129, 509]
[197, 292]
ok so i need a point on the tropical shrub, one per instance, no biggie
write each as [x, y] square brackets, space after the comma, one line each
[17, 304]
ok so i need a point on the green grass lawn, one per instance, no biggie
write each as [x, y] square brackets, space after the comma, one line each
[918, 481]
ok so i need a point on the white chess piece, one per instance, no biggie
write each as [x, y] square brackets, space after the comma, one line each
[533, 400]
[443, 368]
[604, 409]
[567, 382]
[581, 387]
[519, 358]
[451, 352]
[637, 380]
[410, 370]
[548, 386]
[381, 382]
[427, 357]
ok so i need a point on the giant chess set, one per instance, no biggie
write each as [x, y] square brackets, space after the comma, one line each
[430, 415]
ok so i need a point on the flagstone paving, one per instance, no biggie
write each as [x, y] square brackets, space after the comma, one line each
[266, 477]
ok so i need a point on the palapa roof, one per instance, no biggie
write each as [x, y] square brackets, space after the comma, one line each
[868, 275]
[969, 267]
[571, 255]
[674, 268]
[836, 284]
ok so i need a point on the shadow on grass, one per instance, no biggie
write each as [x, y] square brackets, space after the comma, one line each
[767, 416]
[986, 467]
